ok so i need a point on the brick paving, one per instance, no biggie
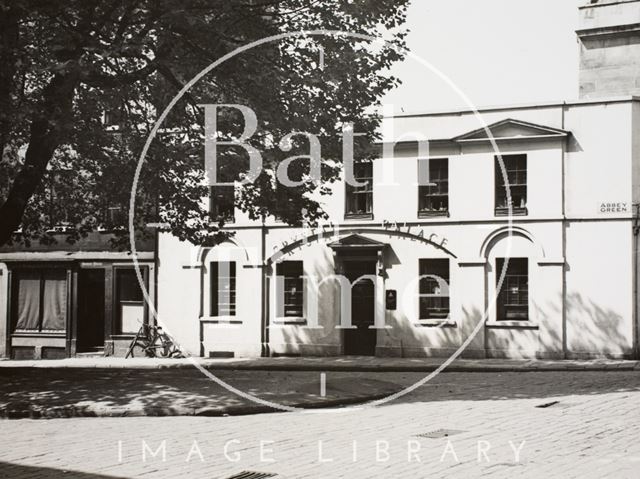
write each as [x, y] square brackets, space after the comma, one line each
[589, 429]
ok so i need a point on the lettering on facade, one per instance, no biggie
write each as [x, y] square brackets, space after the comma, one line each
[619, 207]
[332, 232]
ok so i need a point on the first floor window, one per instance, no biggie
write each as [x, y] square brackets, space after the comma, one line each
[433, 195]
[515, 167]
[292, 284]
[513, 296]
[223, 288]
[359, 199]
[40, 299]
[221, 203]
[434, 288]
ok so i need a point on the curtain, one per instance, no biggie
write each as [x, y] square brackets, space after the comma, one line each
[54, 300]
[28, 313]
[41, 300]
[423, 172]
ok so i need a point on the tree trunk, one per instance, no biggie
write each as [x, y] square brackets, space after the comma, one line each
[48, 128]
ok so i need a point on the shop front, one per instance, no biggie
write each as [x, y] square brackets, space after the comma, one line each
[58, 304]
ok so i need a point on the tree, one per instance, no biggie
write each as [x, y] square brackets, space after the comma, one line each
[82, 83]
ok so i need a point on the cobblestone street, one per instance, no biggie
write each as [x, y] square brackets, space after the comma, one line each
[527, 424]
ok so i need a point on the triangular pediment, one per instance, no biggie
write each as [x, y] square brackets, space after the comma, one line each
[511, 129]
[356, 241]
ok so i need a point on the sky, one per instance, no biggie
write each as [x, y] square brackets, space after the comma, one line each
[498, 52]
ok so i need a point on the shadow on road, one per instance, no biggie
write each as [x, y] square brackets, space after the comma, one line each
[17, 470]
[73, 392]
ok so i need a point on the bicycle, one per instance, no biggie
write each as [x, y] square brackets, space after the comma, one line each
[154, 342]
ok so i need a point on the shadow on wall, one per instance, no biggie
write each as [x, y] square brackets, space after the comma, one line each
[594, 329]
[301, 340]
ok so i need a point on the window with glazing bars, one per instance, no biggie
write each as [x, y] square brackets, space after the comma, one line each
[513, 296]
[433, 198]
[359, 199]
[223, 288]
[292, 282]
[434, 286]
[221, 203]
[516, 172]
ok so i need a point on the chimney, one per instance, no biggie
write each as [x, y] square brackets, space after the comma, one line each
[609, 37]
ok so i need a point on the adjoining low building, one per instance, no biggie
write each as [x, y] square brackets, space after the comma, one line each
[63, 300]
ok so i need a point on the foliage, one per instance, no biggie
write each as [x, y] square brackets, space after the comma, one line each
[69, 66]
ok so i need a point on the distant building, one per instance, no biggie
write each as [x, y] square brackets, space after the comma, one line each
[609, 35]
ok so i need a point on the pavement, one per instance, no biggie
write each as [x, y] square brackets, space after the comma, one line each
[321, 363]
[552, 424]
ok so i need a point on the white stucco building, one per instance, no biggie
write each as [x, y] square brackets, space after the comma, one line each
[570, 236]
[570, 285]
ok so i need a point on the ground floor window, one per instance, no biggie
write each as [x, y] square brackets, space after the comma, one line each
[129, 301]
[513, 297]
[223, 288]
[291, 289]
[40, 299]
[434, 288]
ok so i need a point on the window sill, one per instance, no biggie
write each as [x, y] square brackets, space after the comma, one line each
[514, 212]
[433, 214]
[220, 320]
[518, 324]
[289, 321]
[30, 334]
[435, 323]
[226, 222]
[358, 216]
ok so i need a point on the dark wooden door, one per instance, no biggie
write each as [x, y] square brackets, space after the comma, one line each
[90, 309]
[362, 340]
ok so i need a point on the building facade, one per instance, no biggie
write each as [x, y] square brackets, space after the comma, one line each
[568, 289]
[546, 268]
[522, 244]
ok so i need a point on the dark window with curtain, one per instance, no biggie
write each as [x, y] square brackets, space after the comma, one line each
[516, 172]
[221, 203]
[40, 300]
[434, 288]
[292, 274]
[223, 288]
[433, 195]
[513, 297]
[359, 199]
